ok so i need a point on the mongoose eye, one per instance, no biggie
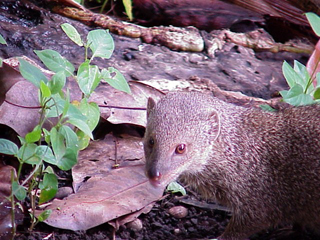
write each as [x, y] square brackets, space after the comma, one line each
[151, 142]
[181, 148]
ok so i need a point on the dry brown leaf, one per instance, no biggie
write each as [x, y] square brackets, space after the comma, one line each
[118, 107]
[99, 158]
[116, 223]
[105, 193]
[22, 113]
[22, 105]
[8, 77]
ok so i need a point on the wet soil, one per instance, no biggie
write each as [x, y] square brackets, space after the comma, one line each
[233, 68]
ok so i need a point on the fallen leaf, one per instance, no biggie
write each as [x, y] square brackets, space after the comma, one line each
[8, 77]
[22, 106]
[21, 109]
[119, 107]
[104, 193]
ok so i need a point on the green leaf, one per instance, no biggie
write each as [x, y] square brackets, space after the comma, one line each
[2, 40]
[70, 137]
[69, 159]
[49, 187]
[45, 90]
[101, 43]
[22, 140]
[74, 112]
[34, 136]
[55, 62]
[45, 153]
[8, 147]
[46, 135]
[57, 82]
[91, 111]
[84, 140]
[27, 153]
[176, 188]
[83, 126]
[291, 75]
[44, 215]
[31, 73]
[296, 97]
[128, 7]
[57, 143]
[18, 191]
[49, 169]
[88, 77]
[267, 108]
[316, 94]
[314, 21]
[56, 106]
[65, 158]
[72, 33]
[301, 70]
[113, 77]
[318, 79]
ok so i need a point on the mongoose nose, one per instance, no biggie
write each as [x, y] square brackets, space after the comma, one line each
[155, 178]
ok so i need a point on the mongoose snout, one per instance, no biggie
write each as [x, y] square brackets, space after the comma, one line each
[264, 166]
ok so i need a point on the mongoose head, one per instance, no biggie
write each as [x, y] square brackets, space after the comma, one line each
[180, 131]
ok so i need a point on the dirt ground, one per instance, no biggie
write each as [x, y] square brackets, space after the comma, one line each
[201, 222]
[233, 68]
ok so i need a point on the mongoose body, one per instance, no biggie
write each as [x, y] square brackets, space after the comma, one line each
[264, 166]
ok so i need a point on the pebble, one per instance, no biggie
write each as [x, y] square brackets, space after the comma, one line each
[135, 225]
[64, 192]
[178, 211]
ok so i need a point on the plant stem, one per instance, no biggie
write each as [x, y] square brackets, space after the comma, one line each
[103, 6]
[86, 52]
[33, 196]
[12, 208]
[31, 174]
[19, 169]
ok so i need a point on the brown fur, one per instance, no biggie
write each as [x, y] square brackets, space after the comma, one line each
[264, 166]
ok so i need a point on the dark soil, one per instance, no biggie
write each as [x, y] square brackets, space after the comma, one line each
[200, 223]
[157, 224]
[234, 68]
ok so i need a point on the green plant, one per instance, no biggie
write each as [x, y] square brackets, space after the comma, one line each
[2, 41]
[175, 187]
[304, 88]
[60, 145]
[126, 3]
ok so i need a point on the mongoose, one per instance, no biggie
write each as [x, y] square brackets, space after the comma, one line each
[264, 166]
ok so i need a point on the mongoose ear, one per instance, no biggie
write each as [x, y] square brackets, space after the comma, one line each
[151, 104]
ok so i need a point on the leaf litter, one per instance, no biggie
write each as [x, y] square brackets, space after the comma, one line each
[105, 192]
[102, 192]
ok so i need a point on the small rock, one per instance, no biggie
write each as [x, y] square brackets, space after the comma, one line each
[136, 225]
[64, 192]
[176, 231]
[194, 221]
[178, 211]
